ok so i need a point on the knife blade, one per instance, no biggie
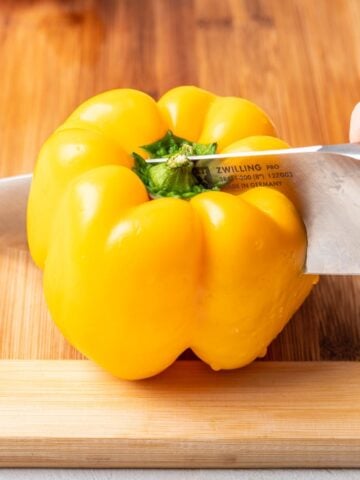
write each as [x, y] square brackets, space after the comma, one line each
[322, 180]
[14, 192]
[325, 186]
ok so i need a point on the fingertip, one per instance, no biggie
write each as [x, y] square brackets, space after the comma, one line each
[354, 133]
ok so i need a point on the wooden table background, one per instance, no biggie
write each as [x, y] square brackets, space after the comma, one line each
[299, 59]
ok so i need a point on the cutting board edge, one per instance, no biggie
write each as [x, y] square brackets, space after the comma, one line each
[110, 453]
[53, 381]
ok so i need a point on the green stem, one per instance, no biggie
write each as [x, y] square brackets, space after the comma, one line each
[174, 177]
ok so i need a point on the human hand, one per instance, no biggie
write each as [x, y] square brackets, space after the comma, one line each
[355, 124]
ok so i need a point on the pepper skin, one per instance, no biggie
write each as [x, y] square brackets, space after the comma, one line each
[131, 282]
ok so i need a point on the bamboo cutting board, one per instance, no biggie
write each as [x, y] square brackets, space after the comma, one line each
[298, 408]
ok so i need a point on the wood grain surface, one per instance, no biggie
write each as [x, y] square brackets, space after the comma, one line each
[266, 415]
[299, 59]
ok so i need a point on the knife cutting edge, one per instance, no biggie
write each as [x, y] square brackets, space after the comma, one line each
[323, 182]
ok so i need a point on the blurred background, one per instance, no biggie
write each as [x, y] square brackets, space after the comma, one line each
[298, 59]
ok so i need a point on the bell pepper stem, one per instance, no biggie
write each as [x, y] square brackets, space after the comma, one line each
[174, 177]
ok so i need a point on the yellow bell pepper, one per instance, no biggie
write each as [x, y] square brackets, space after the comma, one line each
[133, 282]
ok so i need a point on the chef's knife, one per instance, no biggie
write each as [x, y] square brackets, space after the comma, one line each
[325, 180]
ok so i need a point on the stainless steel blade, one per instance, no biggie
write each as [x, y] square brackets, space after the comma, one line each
[346, 149]
[326, 185]
[14, 192]
[326, 182]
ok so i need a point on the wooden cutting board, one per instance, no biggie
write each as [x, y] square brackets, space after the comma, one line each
[300, 60]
